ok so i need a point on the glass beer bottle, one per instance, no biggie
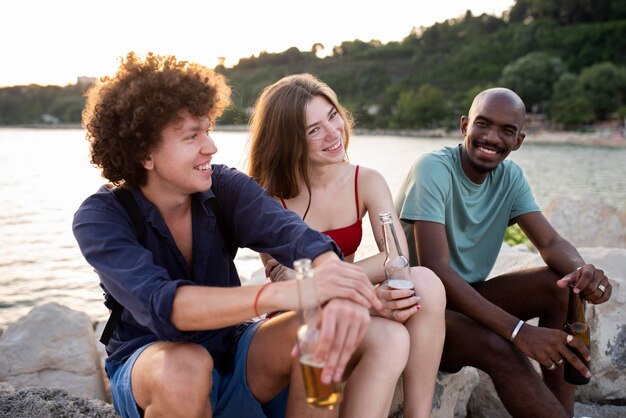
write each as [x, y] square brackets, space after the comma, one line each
[577, 326]
[397, 269]
[318, 394]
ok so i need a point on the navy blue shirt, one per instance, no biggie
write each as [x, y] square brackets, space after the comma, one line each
[144, 278]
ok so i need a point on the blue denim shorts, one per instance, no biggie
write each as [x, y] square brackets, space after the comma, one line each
[230, 394]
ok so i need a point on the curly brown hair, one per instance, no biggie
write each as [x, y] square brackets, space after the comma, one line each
[125, 114]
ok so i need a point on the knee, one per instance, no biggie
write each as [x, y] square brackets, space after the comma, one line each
[390, 337]
[183, 371]
[558, 296]
[431, 291]
[499, 355]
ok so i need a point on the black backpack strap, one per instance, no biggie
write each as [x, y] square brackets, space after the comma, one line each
[114, 319]
[126, 198]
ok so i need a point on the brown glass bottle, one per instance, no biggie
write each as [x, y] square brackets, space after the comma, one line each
[577, 326]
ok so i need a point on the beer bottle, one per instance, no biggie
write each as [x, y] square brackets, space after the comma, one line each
[577, 326]
[318, 394]
[397, 270]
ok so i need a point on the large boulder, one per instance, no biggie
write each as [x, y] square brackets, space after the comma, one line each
[54, 347]
[452, 393]
[588, 223]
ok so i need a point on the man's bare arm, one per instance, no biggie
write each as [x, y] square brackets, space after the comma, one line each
[432, 252]
[561, 256]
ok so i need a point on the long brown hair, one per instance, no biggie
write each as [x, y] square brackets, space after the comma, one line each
[278, 155]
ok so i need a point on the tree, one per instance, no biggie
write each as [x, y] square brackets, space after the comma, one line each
[570, 107]
[317, 48]
[532, 77]
[425, 109]
[604, 86]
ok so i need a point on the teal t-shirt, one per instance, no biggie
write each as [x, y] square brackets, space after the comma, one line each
[475, 215]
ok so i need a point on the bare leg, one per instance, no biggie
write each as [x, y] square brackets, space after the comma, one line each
[526, 294]
[544, 300]
[375, 370]
[173, 380]
[271, 367]
[427, 330]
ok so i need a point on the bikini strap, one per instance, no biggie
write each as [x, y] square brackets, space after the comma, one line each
[283, 202]
[356, 193]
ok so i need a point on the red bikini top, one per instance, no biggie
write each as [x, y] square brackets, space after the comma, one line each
[349, 237]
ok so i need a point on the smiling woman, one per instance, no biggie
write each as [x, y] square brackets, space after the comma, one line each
[300, 131]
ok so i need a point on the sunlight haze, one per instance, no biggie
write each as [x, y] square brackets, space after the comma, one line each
[57, 41]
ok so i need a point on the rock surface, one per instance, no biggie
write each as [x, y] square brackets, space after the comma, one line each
[588, 223]
[52, 346]
[49, 403]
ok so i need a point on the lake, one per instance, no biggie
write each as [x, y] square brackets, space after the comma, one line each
[45, 174]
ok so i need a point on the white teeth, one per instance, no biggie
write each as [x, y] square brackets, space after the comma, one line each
[334, 147]
[203, 167]
[487, 151]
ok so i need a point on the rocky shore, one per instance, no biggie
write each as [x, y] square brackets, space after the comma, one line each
[51, 364]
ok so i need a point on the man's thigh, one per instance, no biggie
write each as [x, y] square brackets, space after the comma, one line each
[269, 356]
[525, 294]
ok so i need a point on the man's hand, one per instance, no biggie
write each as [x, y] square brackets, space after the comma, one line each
[550, 347]
[340, 279]
[398, 305]
[343, 327]
[590, 282]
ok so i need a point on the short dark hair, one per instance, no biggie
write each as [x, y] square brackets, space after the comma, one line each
[126, 113]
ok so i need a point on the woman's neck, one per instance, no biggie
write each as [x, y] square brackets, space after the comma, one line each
[324, 176]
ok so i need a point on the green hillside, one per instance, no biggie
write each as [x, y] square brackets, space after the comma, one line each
[566, 58]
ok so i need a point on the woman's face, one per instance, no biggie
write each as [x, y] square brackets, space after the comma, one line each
[324, 131]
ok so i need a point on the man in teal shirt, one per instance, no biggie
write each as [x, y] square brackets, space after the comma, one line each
[455, 205]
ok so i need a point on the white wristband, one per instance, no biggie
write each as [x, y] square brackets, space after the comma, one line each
[516, 330]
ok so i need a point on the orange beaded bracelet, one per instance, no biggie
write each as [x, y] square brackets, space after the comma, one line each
[256, 298]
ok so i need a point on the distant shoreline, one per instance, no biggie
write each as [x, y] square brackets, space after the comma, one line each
[604, 138]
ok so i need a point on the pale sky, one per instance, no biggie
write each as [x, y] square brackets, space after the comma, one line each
[55, 41]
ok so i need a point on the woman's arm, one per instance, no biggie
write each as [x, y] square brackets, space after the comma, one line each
[376, 198]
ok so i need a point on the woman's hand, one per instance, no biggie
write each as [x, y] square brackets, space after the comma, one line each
[398, 305]
[277, 272]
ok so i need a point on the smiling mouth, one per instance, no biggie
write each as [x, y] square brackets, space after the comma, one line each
[334, 147]
[489, 150]
[203, 167]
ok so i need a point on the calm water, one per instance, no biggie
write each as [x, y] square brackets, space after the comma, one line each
[45, 175]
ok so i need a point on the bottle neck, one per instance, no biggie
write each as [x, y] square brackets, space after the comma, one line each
[307, 296]
[575, 307]
[392, 245]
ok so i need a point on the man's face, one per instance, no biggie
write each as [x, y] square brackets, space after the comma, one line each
[181, 162]
[492, 131]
